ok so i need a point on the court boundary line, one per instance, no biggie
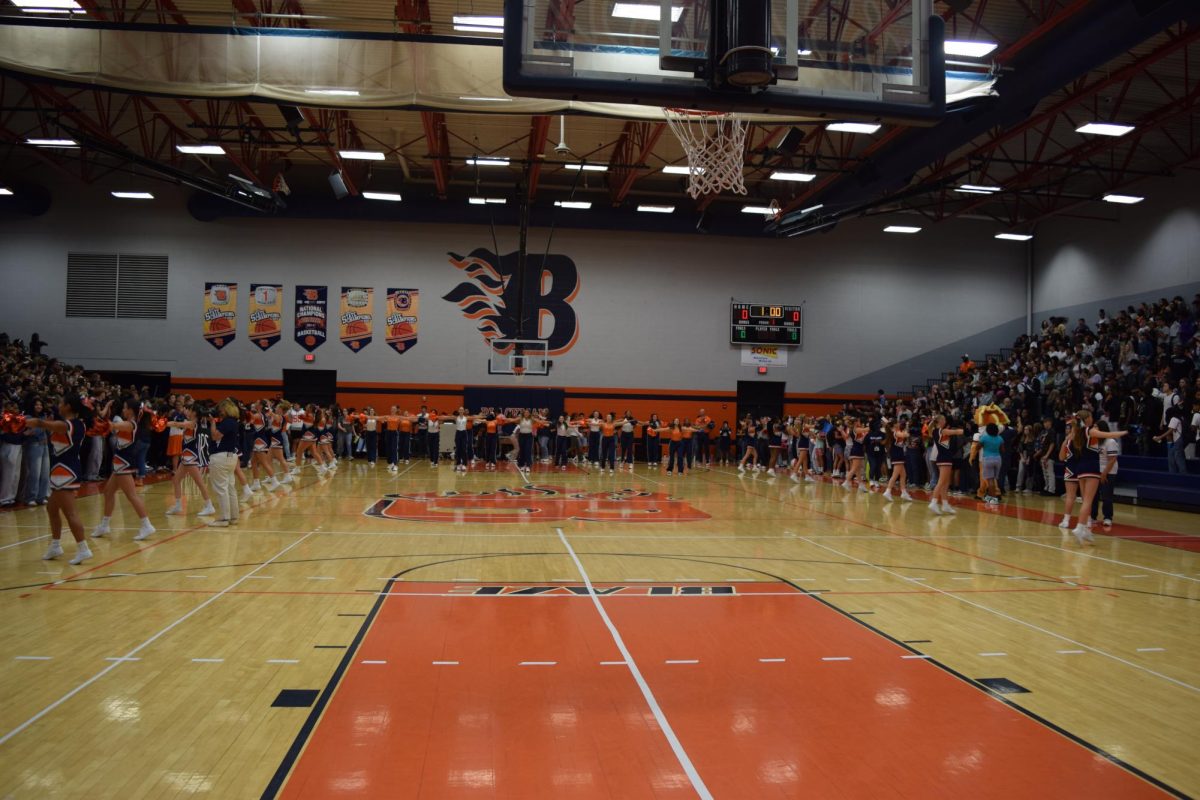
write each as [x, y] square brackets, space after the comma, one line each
[676, 746]
[1105, 558]
[151, 640]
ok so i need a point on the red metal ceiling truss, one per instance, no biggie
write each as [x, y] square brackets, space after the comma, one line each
[434, 123]
[539, 129]
[629, 155]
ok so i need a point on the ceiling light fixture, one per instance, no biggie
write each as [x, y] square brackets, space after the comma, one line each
[1123, 199]
[5, 191]
[133, 195]
[657, 209]
[572, 204]
[362, 155]
[969, 49]
[681, 169]
[478, 24]
[968, 188]
[1014, 237]
[853, 127]
[479, 201]
[764, 210]
[52, 142]
[391, 197]
[587, 167]
[1104, 129]
[644, 11]
[48, 6]
[811, 209]
[488, 161]
[201, 149]
[901, 229]
[784, 175]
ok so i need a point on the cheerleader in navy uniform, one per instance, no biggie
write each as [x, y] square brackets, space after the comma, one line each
[325, 441]
[750, 436]
[855, 437]
[724, 443]
[894, 439]
[1081, 451]
[278, 436]
[191, 462]
[800, 440]
[66, 440]
[124, 471]
[944, 461]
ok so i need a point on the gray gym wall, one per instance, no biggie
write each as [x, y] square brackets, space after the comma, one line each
[653, 311]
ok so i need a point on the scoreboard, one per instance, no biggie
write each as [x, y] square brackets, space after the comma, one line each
[753, 323]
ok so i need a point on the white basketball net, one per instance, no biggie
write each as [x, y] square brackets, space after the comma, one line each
[714, 143]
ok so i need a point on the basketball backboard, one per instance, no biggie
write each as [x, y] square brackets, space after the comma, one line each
[518, 357]
[851, 59]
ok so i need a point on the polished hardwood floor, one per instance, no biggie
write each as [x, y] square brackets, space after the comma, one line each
[427, 634]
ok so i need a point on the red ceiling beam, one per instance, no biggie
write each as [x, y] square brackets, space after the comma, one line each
[539, 129]
[434, 123]
[1016, 48]
[635, 145]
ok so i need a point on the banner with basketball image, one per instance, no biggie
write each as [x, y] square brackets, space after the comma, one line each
[266, 314]
[403, 309]
[220, 313]
[356, 319]
[312, 316]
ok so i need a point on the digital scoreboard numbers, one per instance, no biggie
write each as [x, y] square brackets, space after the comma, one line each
[754, 323]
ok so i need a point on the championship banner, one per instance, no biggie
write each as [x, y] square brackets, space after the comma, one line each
[312, 316]
[266, 314]
[403, 309]
[220, 313]
[764, 355]
[356, 318]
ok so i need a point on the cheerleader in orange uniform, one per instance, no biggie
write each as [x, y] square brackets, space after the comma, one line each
[944, 460]
[66, 440]
[191, 462]
[124, 470]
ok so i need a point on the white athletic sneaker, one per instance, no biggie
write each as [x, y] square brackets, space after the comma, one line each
[82, 553]
[862, 487]
[175, 509]
[256, 487]
[207, 511]
[53, 551]
[218, 523]
[947, 508]
[906, 496]
[847, 485]
[247, 494]
[1066, 521]
[145, 531]
[101, 531]
[276, 482]
[887, 495]
[1108, 523]
[933, 506]
[741, 468]
[792, 475]
[1083, 535]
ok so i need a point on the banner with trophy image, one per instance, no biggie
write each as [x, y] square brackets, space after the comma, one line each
[266, 314]
[220, 313]
[356, 320]
[403, 307]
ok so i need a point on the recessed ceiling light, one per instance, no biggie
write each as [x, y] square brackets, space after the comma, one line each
[681, 169]
[488, 161]
[1014, 237]
[901, 229]
[587, 167]
[969, 49]
[853, 127]
[479, 201]
[334, 92]
[201, 149]
[362, 155]
[758, 210]
[657, 209]
[968, 188]
[5, 192]
[52, 142]
[1104, 129]
[391, 197]
[572, 204]
[1123, 199]
[133, 195]
[784, 175]
[644, 11]
[478, 24]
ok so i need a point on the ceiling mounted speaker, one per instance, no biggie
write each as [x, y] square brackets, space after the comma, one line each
[338, 184]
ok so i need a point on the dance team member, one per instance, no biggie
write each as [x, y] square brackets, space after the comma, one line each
[124, 470]
[944, 461]
[894, 440]
[66, 440]
[628, 423]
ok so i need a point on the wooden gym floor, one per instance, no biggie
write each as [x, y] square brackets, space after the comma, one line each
[427, 635]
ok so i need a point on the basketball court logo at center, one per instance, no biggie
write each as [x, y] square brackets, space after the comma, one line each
[533, 502]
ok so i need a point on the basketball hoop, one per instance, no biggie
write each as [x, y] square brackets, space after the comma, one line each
[714, 142]
[519, 374]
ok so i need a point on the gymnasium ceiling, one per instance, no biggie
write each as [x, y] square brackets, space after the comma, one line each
[1042, 166]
